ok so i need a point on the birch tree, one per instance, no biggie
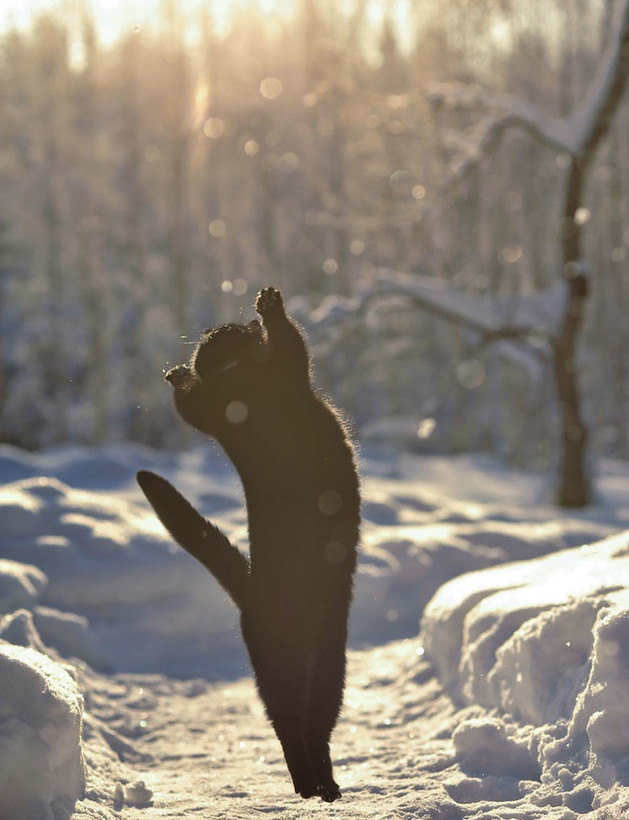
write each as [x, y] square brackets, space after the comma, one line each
[576, 137]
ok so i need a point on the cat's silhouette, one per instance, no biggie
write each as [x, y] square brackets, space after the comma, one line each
[249, 387]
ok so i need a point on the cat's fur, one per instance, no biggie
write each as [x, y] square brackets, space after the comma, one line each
[249, 387]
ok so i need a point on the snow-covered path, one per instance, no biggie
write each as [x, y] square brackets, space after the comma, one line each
[206, 749]
[535, 654]
[401, 750]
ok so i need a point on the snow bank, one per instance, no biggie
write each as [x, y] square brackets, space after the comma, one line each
[41, 762]
[82, 551]
[535, 651]
[20, 585]
[429, 519]
[545, 641]
[114, 590]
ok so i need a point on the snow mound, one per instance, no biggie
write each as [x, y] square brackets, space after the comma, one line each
[20, 585]
[41, 757]
[106, 560]
[18, 628]
[534, 652]
[417, 535]
[84, 553]
[483, 747]
[545, 641]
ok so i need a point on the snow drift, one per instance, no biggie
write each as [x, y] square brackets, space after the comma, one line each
[545, 642]
[41, 761]
[105, 584]
[526, 629]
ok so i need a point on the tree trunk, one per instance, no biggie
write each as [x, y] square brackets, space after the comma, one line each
[574, 489]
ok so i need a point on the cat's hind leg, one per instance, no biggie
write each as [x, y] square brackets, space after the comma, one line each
[282, 674]
[289, 730]
[324, 704]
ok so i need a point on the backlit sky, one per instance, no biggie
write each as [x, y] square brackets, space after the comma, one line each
[113, 17]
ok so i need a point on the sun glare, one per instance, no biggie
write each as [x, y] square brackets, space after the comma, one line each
[116, 17]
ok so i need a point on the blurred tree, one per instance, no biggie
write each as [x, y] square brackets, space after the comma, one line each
[577, 136]
[50, 97]
[155, 183]
[87, 208]
[178, 120]
[133, 292]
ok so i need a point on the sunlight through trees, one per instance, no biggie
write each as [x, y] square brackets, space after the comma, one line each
[152, 182]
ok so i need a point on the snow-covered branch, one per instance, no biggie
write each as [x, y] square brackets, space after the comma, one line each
[589, 120]
[495, 318]
[508, 111]
[576, 133]
[522, 317]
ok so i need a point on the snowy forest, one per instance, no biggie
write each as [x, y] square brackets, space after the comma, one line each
[151, 185]
[440, 190]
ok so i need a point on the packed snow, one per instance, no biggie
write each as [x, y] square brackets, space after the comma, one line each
[124, 686]
[41, 759]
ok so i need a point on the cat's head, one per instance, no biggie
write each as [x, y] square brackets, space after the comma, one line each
[216, 386]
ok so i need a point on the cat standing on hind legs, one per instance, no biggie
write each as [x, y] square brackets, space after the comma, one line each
[249, 387]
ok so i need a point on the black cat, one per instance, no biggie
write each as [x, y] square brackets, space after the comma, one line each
[249, 387]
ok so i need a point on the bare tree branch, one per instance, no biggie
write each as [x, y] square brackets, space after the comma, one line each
[538, 312]
[576, 134]
[508, 111]
[589, 120]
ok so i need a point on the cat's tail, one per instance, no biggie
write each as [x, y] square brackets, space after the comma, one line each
[197, 535]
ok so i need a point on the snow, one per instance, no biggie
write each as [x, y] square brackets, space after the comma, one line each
[538, 311]
[532, 316]
[500, 637]
[575, 133]
[581, 125]
[124, 684]
[41, 762]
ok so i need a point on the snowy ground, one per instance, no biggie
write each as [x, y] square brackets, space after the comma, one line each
[121, 663]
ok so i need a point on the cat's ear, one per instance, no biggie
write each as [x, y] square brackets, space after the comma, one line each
[197, 535]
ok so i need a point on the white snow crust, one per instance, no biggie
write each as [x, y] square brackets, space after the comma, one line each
[41, 760]
[510, 701]
[545, 641]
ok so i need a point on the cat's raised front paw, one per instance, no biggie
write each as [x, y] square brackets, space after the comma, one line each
[269, 300]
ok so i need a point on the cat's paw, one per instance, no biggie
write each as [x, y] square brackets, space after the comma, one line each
[269, 301]
[181, 377]
[329, 792]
